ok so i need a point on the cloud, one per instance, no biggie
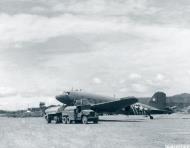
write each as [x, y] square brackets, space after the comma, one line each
[38, 9]
[97, 80]
[160, 77]
[134, 76]
[140, 11]
[135, 47]
[7, 91]
[140, 88]
[20, 28]
[124, 89]
[188, 72]
[122, 81]
[36, 28]
[103, 7]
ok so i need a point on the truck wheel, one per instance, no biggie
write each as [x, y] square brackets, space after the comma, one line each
[64, 120]
[84, 120]
[48, 119]
[68, 120]
[57, 120]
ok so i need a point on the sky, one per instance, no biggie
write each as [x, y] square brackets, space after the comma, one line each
[109, 47]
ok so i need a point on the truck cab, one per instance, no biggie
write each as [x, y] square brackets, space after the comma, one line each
[78, 114]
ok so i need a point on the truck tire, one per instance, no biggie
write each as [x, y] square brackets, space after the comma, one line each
[57, 120]
[48, 119]
[64, 120]
[60, 119]
[84, 120]
[68, 120]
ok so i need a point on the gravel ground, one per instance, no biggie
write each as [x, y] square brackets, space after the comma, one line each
[113, 132]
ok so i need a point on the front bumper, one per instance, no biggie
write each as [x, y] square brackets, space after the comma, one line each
[93, 118]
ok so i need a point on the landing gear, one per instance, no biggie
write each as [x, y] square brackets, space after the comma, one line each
[95, 121]
[151, 117]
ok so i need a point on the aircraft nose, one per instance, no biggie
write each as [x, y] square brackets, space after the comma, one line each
[64, 99]
[61, 98]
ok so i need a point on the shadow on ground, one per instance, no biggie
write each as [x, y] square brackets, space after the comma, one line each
[121, 120]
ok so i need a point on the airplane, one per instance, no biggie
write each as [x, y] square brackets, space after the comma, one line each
[110, 105]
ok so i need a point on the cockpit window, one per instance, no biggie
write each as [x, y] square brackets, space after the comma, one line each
[67, 92]
[85, 101]
[82, 102]
[78, 102]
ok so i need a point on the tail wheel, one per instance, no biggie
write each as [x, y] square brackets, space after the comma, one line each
[68, 120]
[84, 120]
[64, 120]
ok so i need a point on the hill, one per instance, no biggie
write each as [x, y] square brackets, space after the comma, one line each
[180, 100]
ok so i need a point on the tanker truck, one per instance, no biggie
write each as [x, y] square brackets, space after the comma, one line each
[71, 114]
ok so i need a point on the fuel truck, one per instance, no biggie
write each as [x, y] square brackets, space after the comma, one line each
[71, 114]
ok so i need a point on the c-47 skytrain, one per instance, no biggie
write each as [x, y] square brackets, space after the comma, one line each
[109, 105]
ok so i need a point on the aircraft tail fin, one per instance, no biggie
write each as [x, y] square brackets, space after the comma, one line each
[158, 100]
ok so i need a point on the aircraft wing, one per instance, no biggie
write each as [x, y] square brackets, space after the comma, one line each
[113, 106]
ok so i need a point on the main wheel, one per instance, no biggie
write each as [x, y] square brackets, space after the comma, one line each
[151, 117]
[64, 120]
[84, 120]
[95, 121]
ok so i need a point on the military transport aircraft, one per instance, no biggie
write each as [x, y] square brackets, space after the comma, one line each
[110, 105]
